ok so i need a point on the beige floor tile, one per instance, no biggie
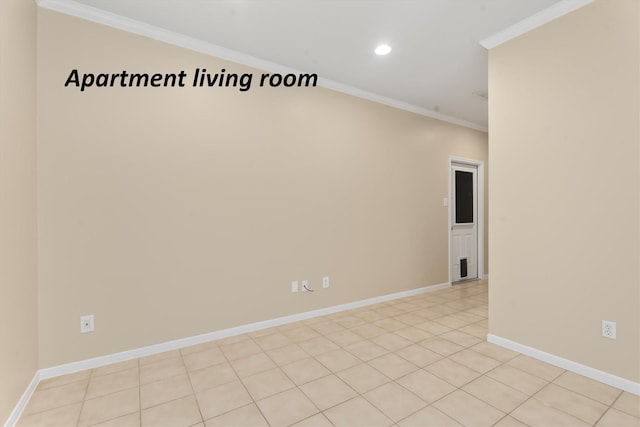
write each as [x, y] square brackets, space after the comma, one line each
[269, 342]
[327, 391]
[468, 410]
[110, 383]
[202, 359]
[212, 376]
[389, 311]
[305, 370]
[253, 364]
[426, 386]
[406, 305]
[246, 416]
[536, 367]
[344, 338]
[163, 391]
[357, 412]
[413, 334]
[115, 367]
[430, 344]
[238, 350]
[495, 393]
[461, 338]
[182, 412]
[131, 420]
[572, 403]
[338, 360]
[433, 328]
[326, 327]
[108, 407]
[451, 321]
[474, 360]
[509, 421]
[218, 400]
[318, 345]
[588, 387]
[301, 334]
[363, 378]
[62, 416]
[410, 319]
[349, 321]
[441, 346]
[429, 416]
[535, 414]
[515, 378]
[393, 366]
[628, 403]
[161, 369]
[366, 350]
[287, 354]
[389, 324]
[287, 407]
[452, 372]
[65, 379]
[56, 397]
[155, 358]
[418, 355]
[615, 418]
[394, 401]
[475, 330]
[317, 420]
[494, 351]
[267, 383]
[370, 315]
[368, 331]
[391, 341]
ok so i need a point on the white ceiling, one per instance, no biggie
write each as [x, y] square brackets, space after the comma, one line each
[436, 65]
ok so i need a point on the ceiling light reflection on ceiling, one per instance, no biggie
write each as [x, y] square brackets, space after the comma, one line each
[383, 49]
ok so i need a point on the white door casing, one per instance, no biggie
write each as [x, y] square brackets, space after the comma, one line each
[466, 219]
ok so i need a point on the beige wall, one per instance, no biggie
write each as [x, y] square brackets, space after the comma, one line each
[174, 212]
[18, 267]
[564, 181]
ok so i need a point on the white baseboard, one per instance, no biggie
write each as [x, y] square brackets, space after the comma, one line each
[224, 333]
[22, 403]
[96, 362]
[569, 365]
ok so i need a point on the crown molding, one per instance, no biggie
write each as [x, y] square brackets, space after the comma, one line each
[534, 21]
[89, 13]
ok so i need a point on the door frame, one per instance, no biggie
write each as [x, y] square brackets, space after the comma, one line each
[479, 165]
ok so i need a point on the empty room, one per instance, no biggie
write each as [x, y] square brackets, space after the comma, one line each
[320, 213]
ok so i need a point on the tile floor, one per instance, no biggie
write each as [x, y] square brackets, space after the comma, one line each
[416, 361]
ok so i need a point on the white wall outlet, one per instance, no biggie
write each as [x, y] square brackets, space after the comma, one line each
[325, 282]
[445, 202]
[86, 323]
[305, 285]
[294, 286]
[609, 329]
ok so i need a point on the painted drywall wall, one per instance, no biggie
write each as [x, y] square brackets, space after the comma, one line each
[564, 139]
[18, 265]
[171, 212]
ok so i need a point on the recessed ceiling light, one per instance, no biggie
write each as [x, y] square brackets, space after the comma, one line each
[383, 49]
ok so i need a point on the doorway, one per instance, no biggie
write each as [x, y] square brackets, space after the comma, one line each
[466, 219]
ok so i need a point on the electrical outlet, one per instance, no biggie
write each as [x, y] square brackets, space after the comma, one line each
[609, 329]
[86, 323]
[325, 282]
[305, 286]
[294, 286]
